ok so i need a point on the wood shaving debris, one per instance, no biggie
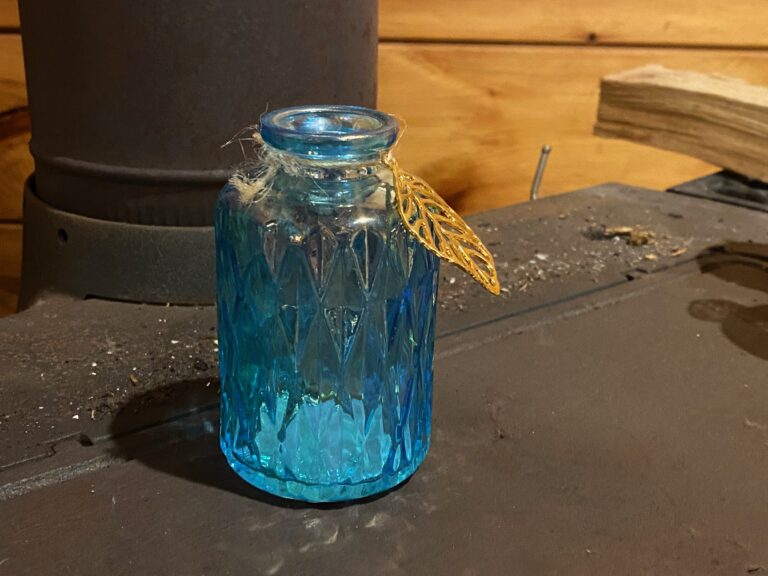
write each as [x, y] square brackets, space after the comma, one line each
[641, 237]
[636, 236]
[651, 256]
[618, 230]
[679, 251]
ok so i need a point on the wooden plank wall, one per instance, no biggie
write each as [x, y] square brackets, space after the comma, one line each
[483, 85]
[15, 162]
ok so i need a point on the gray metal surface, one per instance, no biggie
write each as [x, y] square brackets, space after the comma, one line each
[607, 416]
[728, 187]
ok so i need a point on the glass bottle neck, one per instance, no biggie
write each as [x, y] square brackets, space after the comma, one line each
[329, 182]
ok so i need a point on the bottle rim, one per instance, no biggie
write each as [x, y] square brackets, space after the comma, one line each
[329, 132]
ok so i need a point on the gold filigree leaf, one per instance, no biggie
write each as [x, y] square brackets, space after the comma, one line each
[440, 229]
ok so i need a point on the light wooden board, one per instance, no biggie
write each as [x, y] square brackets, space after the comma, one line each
[652, 22]
[478, 115]
[9, 14]
[15, 163]
[13, 92]
[670, 22]
[15, 160]
[10, 266]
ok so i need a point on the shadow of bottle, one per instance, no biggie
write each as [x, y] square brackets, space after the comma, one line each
[175, 429]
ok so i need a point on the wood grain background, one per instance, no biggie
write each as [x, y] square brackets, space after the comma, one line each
[482, 86]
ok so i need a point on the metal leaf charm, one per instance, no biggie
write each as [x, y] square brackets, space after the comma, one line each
[440, 229]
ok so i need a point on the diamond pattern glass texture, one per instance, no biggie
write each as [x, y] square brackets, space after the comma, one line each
[326, 319]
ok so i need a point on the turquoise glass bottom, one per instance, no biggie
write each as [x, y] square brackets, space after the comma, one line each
[297, 490]
[352, 455]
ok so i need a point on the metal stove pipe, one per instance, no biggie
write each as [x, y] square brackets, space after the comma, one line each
[130, 103]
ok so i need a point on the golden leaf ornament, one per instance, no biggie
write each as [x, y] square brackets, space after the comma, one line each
[440, 229]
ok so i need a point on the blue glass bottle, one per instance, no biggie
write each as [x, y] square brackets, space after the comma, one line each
[326, 313]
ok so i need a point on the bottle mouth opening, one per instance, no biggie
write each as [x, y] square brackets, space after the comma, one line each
[329, 132]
